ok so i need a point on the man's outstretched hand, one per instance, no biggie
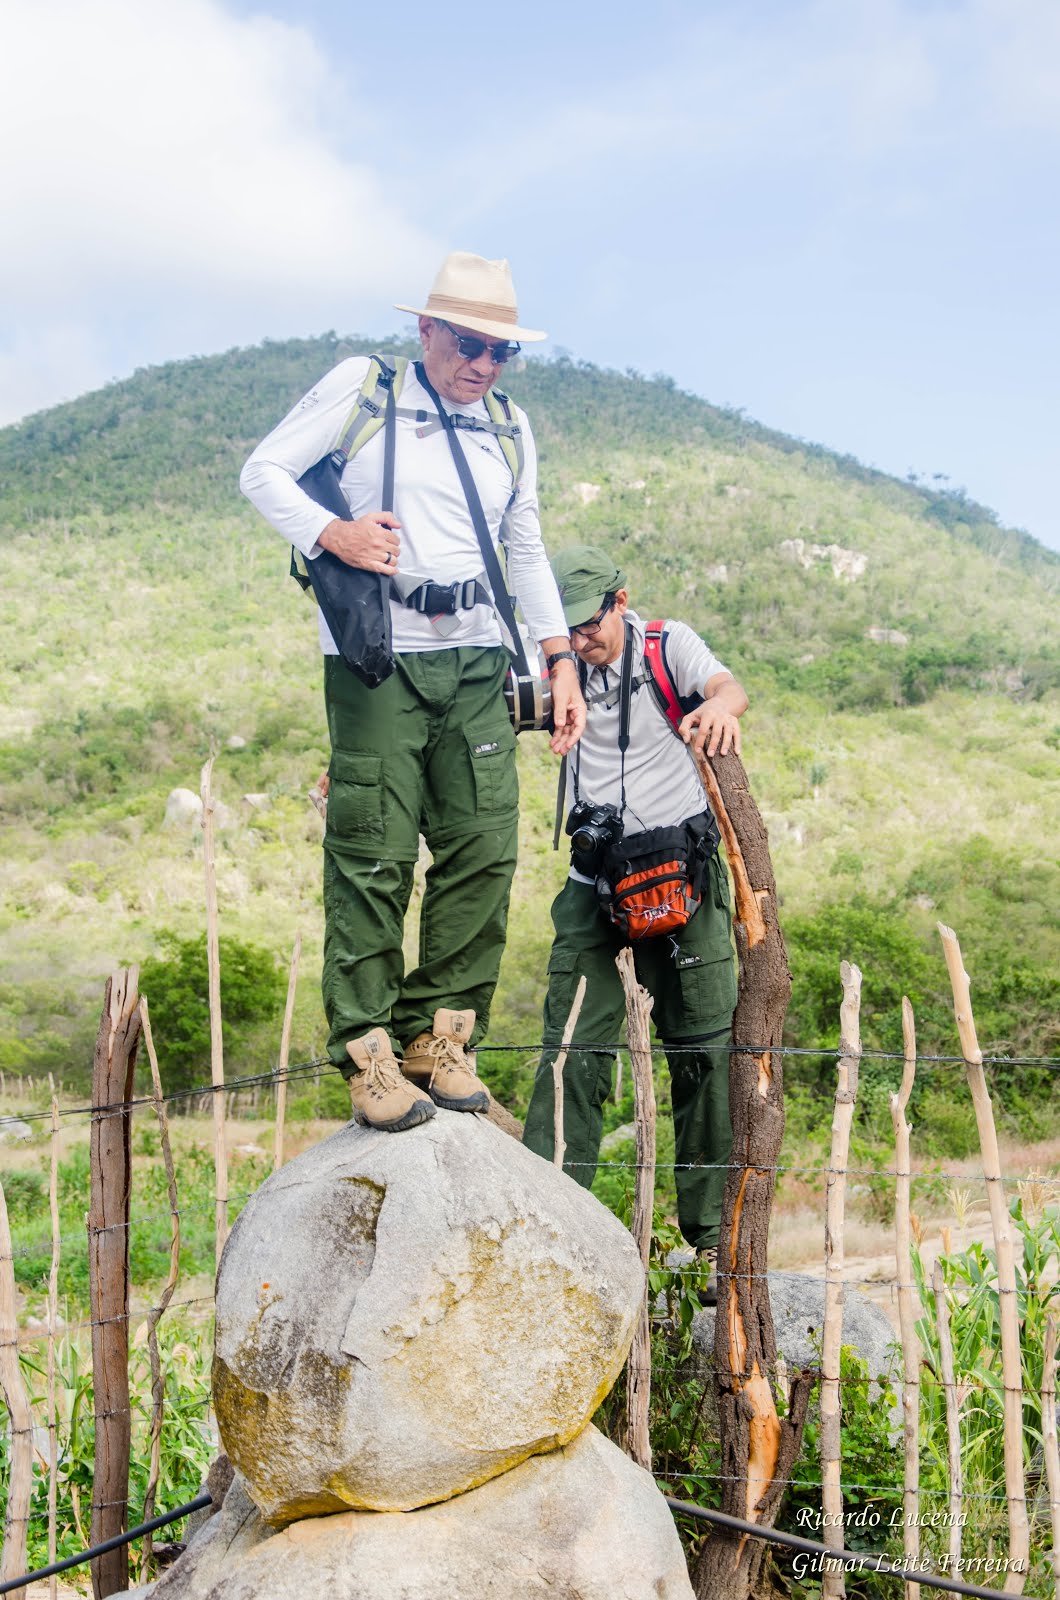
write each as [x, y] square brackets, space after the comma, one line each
[568, 708]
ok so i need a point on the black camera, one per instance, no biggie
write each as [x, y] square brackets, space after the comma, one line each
[592, 829]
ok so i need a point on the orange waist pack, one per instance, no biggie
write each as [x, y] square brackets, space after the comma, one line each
[652, 882]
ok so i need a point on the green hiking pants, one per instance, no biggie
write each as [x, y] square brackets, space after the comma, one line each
[429, 751]
[692, 978]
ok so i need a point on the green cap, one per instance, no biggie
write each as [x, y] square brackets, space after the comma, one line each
[584, 575]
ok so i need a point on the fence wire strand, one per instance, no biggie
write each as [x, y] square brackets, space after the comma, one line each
[325, 1066]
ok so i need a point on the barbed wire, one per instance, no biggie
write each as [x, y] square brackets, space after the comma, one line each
[326, 1067]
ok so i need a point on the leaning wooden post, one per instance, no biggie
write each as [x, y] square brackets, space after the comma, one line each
[559, 1144]
[757, 1446]
[903, 1252]
[110, 1159]
[154, 1317]
[638, 1381]
[217, 1068]
[53, 1330]
[832, 1584]
[1008, 1310]
[952, 1396]
[13, 1561]
[285, 1046]
[1049, 1445]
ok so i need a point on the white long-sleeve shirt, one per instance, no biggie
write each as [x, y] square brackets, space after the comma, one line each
[438, 541]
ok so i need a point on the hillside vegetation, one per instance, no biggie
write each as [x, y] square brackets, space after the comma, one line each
[902, 664]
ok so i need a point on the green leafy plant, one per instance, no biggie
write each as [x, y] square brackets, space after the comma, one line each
[187, 1442]
[176, 985]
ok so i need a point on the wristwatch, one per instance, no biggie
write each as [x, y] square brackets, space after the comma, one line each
[559, 655]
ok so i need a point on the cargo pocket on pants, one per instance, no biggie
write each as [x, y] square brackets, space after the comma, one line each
[355, 798]
[495, 783]
[707, 999]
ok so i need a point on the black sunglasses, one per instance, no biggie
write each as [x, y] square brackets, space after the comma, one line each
[471, 348]
[593, 624]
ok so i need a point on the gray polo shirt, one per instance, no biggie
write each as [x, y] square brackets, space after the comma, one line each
[662, 784]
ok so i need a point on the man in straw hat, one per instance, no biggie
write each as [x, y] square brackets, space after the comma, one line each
[431, 750]
[648, 799]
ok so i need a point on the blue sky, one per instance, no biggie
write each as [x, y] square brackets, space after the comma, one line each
[839, 214]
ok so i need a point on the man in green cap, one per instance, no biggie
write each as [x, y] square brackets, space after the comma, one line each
[637, 679]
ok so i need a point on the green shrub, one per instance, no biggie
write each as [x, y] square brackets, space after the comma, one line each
[177, 988]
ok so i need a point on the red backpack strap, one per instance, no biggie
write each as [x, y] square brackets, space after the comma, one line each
[663, 686]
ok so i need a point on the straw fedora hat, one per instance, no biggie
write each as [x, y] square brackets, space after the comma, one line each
[478, 294]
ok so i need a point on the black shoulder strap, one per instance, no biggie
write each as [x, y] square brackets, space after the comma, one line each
[501, 598]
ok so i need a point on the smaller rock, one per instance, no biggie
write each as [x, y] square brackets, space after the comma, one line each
[256, 802]
[586, 492]
[616, 1137]
[886, 636]
[12, 1128]
[236, 741]
[797, 1302]
[182, 806]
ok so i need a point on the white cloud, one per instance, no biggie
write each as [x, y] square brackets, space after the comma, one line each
[179, 167]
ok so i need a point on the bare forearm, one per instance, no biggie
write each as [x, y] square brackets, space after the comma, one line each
[726, 695]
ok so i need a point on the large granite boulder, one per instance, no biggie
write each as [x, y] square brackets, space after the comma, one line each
[401, 1317]
[582, 1523]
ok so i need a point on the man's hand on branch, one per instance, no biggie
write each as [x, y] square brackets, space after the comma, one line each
[711, 727]
[568, 706]
[714, 725]
[369, 542]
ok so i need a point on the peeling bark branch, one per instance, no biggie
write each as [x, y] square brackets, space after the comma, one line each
[758, 1446]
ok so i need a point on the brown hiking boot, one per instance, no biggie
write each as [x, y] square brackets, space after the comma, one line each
[382, 1097]
[438, 1061]
[707, 1266]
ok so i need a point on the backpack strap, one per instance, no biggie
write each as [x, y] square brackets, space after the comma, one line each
[509, 432]
[366, 418]
[384, 376]
[661, 680]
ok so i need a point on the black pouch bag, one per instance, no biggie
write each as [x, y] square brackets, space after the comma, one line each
[355, 604]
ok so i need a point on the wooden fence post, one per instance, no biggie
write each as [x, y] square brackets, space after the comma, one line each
[559, 1144]
[53, 1328]
[285, 1046]
[832, 1584]
[154, 1317]
[20, 1483]
[217, 1067]
[638, 1366]
[953, 1396]
[757, 1446]
[1050, 1450]
[1008, 1309]
[108, 1272]
[903, 1256]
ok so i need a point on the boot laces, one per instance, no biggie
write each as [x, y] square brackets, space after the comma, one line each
[382, 1074]
[446, 1052]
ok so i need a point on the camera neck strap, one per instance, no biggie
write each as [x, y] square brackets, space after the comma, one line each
[625, 701]
[502, 600]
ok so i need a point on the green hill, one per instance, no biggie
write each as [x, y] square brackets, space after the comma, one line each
[899, 648]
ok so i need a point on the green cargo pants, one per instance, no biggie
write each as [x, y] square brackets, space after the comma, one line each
[430, 751]
[692, 978]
